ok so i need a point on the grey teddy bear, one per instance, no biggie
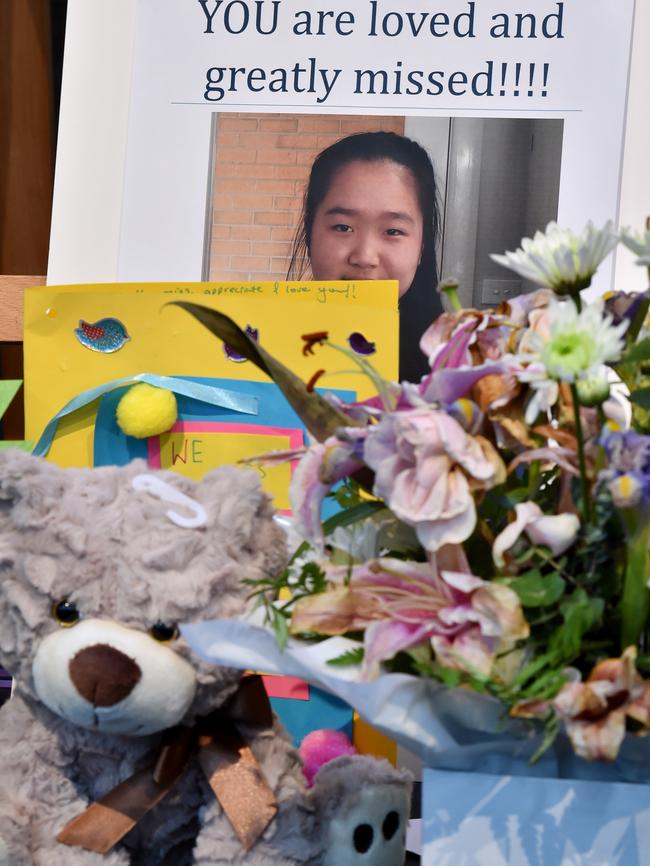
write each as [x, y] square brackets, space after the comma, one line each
[97, 566]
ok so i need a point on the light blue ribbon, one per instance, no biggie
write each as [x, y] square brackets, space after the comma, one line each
[231, 400]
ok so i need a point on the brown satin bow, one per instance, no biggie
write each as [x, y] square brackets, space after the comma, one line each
[227, 761]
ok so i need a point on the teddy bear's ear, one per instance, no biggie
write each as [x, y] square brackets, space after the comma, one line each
[12, 463]
[25, 479]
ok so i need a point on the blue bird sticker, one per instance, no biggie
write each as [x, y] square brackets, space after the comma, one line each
[106, 335]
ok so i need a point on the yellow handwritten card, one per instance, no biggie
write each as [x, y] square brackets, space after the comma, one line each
[81, 337]
[192, 448]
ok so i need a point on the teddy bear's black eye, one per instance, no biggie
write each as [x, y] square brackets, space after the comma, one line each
[65, 613]
[163, 632]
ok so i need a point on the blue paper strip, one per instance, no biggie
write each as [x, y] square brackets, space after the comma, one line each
[232, 400]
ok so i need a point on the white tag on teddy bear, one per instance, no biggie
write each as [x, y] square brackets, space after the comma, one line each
[167, 493]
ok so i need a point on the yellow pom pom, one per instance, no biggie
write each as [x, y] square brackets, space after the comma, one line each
[146, 411]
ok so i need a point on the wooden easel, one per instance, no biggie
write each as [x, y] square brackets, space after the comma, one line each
[27, 107]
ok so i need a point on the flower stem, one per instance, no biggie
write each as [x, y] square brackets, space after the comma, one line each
[635, 604]
[554, 564]
[449, 288]
[638, 321]
[584, 481]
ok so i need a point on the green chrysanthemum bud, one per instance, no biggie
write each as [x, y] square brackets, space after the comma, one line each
[594, 390]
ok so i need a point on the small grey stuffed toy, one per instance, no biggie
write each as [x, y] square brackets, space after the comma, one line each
[117, 737]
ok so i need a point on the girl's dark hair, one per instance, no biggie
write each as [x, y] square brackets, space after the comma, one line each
[421, 304]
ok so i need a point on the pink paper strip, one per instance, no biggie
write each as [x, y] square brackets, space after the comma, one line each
[295, 436]
[286, 687]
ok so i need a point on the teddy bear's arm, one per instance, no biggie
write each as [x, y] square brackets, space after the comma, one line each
[286, 841]
[217, 845]
[36, 799]
[26, 840]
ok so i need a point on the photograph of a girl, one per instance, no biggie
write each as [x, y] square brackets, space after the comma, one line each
[370, 213]
[341, 197]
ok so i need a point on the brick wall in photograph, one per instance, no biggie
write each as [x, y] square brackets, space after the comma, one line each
[261, 166]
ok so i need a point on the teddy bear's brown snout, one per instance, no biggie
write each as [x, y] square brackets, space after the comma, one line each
[103, 675]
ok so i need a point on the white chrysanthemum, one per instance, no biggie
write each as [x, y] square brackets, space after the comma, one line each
[578, 344]
[544, 392]
[560, 260]
[638, 243]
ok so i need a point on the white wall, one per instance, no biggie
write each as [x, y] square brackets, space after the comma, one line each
[91, 150]
[635, 189]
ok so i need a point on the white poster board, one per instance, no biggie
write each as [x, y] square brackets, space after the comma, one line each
[190, 58]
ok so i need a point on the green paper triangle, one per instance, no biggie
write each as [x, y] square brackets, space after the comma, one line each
[8, 390]
[22, 446]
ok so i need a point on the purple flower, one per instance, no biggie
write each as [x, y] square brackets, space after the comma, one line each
[623, 306]
[628, 471]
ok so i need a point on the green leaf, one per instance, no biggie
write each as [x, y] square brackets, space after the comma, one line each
[533, 667]
[536, 589]
[514, 497]
[635, 603]
[353, 515]
[638, 352]
[546, 686]
[551, 730]
[448, 676]
[580, 614]
[280, 626]
[641, 397]
[349, 657]
[643, 663]
[346, 494]
[312, 578]
[320, 417]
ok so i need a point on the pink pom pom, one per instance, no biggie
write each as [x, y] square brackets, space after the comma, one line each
[319, 747]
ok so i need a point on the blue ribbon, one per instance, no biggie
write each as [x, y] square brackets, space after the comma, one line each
[222, 397]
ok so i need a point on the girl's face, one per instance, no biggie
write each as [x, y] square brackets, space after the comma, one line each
[368, 226]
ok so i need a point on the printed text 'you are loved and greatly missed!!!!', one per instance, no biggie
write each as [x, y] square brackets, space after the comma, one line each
[489, 79]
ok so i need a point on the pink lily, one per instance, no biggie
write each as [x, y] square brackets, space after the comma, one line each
[401, 604]
[451, 383]
[441, 331]
[560, 456]
[453, 373]
[322, 465]
[594, 712]
[555, 531]
[426, 467]
[455, 352]
[520, 309]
